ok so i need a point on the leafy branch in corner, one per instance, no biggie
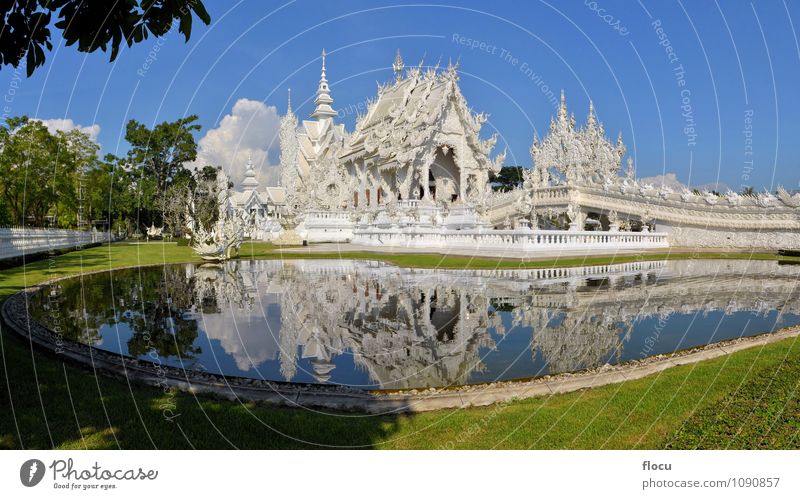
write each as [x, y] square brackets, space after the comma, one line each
[93, 24]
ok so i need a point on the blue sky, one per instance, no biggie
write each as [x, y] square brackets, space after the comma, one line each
[727, 97]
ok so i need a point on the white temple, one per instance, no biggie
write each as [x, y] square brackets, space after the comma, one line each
[262, 206]
[415, 173]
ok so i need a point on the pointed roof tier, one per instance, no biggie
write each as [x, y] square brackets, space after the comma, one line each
[398, 66]
[324, 100]
[249, 183]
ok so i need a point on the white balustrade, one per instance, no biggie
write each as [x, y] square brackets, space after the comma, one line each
[18, 241]
[519, 240]
[327, 226]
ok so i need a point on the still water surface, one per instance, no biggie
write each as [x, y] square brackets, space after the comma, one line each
[373, 325]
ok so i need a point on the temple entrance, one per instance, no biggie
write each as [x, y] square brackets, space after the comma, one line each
[443, 177]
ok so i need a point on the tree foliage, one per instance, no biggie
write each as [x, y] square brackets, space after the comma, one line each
[51, 178]
[156, 159]
[509, 177]
[41, 172]
[204, 196]
[91, 24]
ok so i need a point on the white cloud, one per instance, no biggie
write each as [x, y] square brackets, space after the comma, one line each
[251, 129]
[66, 124]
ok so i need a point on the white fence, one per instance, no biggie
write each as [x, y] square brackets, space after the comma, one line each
[327, 227]
[18, 241]
[527, 241]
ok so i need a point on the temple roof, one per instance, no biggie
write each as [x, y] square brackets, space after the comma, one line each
[574, 152]
[249, 183]
[270, 195]
[409, 111]
[276, 194]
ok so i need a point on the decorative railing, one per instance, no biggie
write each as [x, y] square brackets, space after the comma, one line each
[18, 241]
[519, 240]
[408, 204]
[499, 199]
[327, 215]
[560, 192]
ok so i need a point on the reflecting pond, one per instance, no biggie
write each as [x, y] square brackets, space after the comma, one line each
[373, 325]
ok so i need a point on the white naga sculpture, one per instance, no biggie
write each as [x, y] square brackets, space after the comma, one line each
[154, 231]
[222, 241]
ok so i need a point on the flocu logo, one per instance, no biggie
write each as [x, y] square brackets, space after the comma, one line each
[31, 472]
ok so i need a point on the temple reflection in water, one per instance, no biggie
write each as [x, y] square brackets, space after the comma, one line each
[374, 325]
[416, 327]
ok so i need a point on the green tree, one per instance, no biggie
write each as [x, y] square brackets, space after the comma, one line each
[39, 170]
[173, 205]
[204, 197]
[54, 177]
[109, 194]
[27, 149]
[92, 24]
[156, 159]
[509, 177]
[77, 156]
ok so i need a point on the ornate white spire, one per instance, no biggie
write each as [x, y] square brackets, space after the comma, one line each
[324, 99]
[398, 66]
[591, 119]
[289, 146]
[562, 109]
[249, 183]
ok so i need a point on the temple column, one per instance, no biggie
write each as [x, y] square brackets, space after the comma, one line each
[424, 180]
[363, 185]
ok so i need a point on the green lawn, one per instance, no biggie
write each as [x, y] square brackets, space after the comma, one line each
[747, 399]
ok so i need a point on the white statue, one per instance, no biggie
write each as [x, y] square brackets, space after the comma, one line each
[154, 231]
[225, 237]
